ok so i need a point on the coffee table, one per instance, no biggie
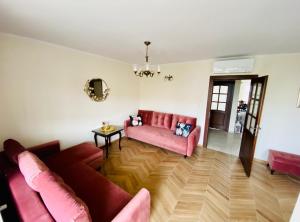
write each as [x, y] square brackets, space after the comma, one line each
[107, 136]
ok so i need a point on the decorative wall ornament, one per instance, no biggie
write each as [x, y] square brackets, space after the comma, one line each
[147, 69]
[169, 78]
[96, 89]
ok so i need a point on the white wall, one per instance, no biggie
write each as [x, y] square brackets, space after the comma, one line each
[187, 94]
[42, 97]
[241, 92]
[244, 90]
[235, 102]
[281, 119]
[296, 212]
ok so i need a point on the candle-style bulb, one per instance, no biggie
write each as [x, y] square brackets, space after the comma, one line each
[134, 68]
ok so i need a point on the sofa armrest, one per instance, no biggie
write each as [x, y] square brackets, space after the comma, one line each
[126, 125]
[5, 164]
[193, 140]
[45, 150]
[137, 210]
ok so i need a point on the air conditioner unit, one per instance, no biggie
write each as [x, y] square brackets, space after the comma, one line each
[234, 66]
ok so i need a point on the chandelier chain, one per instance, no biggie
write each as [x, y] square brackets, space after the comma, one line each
[146, 69]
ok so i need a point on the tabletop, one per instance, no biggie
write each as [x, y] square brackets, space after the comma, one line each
[101, 133]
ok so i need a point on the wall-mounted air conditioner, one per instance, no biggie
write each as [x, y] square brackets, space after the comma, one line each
[234, 66]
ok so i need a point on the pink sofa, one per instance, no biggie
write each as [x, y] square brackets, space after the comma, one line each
[284, 162]
[159, 129]
[76, 165]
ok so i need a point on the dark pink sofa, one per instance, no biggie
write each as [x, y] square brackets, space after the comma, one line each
[159, 128]
[76, 165]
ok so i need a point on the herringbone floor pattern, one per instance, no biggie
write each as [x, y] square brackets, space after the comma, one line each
[209, 186]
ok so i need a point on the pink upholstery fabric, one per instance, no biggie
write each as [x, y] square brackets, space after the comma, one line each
[126, 125]
[137, 210]
[30, 166]
[161, 133]
[193, 140]
[162, 120]
[284, 162]
[103, 198]
[5, 164]
[95, 160]
[146, 116]
[46, 149]
[159, 137]
[63, 205]
[183, 119]
[28, 203]
[86, 152]
[12, 149]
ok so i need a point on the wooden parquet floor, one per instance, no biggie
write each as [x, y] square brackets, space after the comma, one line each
[209, 186]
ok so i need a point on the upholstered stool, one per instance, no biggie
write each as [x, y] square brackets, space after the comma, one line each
[284, 162]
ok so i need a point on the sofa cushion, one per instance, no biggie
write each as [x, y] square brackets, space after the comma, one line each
[146, 116]
[86, 152]
[183, 119]
[60, 200]
[28, 203]
[30, 166]
[12, 149]
[162, 120]
[103, 198]
[159, 137]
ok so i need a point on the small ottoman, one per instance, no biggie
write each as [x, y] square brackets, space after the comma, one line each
[284, 162]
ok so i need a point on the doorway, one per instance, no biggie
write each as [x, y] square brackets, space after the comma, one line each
[230, 113]
[227, 121]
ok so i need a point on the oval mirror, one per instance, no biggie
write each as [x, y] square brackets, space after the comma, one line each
[96, 89]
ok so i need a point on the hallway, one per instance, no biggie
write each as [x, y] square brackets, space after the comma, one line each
[223, 141]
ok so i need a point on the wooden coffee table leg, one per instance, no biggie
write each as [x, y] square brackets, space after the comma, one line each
[106, 146]
[120, 137]
[95, 138]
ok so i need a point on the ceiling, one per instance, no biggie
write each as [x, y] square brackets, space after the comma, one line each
[179, 30]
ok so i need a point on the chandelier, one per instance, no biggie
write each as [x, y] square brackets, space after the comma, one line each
[147, 69]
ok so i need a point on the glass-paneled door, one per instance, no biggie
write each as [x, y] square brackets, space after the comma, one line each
[221, 103]
[251, 128]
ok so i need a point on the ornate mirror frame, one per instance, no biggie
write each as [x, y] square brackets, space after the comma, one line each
[90, 90]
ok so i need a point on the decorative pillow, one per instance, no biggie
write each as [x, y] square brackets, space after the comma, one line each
[60, 199]
[12, 149]
[136, 120]
[31, 166]
[183, 129]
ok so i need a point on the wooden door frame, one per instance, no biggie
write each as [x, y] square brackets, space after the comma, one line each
[209, 97]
